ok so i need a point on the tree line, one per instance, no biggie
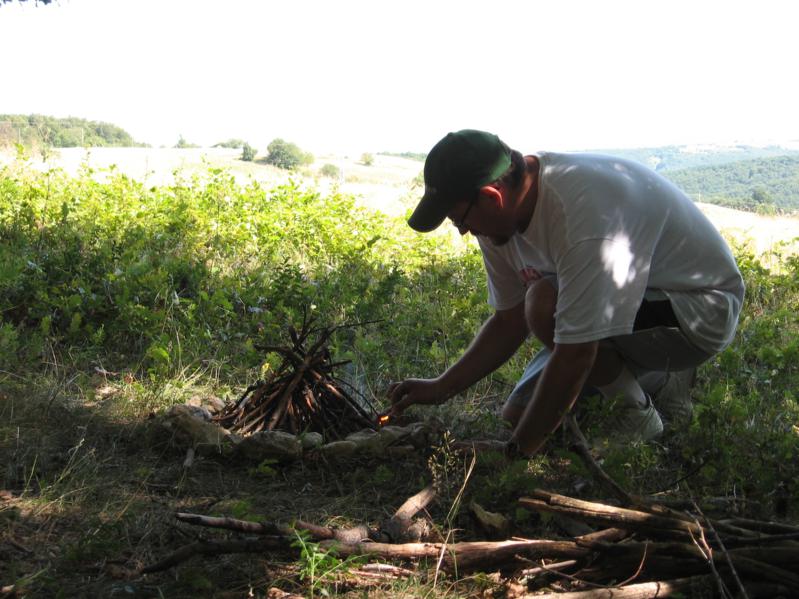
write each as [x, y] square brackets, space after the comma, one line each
[767, 185]
[37, 130]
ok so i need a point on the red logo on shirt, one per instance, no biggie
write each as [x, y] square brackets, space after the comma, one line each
[529, 275]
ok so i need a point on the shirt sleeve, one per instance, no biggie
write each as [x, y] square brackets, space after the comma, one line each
[601, 284]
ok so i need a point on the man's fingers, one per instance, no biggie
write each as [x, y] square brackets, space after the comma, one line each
[396, 392]
[401, 404]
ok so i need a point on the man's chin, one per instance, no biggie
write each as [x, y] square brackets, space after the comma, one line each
[499, 241]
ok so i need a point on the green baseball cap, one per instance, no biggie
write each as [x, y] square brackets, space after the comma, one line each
[455, 168]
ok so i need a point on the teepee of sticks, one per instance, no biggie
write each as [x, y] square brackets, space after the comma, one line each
[302, 394]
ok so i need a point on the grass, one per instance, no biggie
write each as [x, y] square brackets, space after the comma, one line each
[118, 301]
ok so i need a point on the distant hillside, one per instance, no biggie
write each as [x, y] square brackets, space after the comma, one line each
[669, 158]
[38, 130]
[747, 185]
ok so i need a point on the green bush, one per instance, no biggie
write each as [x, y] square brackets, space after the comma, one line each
[231, 143]
[183, 144]
[367, 159]
[248, 153]
[330, 170]
[286, 155]
[165, 280]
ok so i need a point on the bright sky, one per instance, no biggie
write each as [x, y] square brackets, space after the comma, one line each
[359, 76]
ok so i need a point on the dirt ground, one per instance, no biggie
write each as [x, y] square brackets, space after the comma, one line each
[93, 483]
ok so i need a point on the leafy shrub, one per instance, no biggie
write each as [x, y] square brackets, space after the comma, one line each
[231, 143]
[163, 280]
[330, 170]
[367, 159]
[286, 155]
[248, 153]
[183, 144]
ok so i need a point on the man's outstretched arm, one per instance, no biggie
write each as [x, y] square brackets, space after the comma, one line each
[496, 341]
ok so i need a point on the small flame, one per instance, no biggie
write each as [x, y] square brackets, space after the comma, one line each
[383, 420]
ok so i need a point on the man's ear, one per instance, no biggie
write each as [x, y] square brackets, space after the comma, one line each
[493, 194]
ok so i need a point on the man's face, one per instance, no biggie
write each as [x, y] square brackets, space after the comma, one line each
[475, 217]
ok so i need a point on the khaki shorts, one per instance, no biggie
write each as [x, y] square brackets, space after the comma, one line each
[656, 345]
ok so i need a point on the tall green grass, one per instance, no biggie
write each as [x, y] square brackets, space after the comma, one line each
[182, 282]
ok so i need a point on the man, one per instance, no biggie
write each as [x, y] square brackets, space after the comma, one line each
[608, 264]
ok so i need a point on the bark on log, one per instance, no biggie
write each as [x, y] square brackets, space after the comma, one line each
[644, 590]
[770, 528]
[466, 556]
[318, 533]
[598, 513]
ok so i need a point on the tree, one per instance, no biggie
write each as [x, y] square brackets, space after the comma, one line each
[231, 143]
[248, 152]
[182, 144]
[331, 171]
[367, 159]
[286, 155]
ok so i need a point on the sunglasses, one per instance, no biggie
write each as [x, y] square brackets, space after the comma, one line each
[460, 222]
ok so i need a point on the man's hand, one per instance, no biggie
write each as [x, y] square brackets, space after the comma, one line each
[414, 391]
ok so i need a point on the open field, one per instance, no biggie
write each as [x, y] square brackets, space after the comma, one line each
[119, 301]
[386, 185]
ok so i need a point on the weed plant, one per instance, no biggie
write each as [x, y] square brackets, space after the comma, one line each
[117, 300]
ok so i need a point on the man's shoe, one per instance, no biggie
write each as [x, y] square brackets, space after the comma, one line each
[639, 424]
[673, 400]
[632, 423]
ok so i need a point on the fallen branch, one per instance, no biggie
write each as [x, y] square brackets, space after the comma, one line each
[596, 559]
[607, 515]
[693, 586]
[583, 450]
[214, 548]
[466, 556]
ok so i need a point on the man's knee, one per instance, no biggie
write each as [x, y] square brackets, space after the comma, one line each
[512, 413]
[540, 303]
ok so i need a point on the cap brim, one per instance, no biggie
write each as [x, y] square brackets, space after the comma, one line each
[430, 212]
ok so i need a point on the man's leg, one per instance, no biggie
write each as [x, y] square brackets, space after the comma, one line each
[540, 304]
[635, 413]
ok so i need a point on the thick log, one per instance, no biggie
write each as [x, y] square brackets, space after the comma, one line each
[607, 515]
[317, 533]
[624, 567]
[759, 570]
[682, 587]
[770, 528]
[466, 556]
[531, 573]
[416, 503]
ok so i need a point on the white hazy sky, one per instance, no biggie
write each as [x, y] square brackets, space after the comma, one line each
[356, 76]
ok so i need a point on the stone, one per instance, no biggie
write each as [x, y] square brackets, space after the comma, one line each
[211, 403]
[392, 434]
[191, 426]
[338, 450]
[495, 525]
[369, 441]
[274, 445]
[311, 440]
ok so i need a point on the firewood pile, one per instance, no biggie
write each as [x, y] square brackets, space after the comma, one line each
[642, 551]
[301, 395]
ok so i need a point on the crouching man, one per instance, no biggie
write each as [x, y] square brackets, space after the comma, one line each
[625, 282]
